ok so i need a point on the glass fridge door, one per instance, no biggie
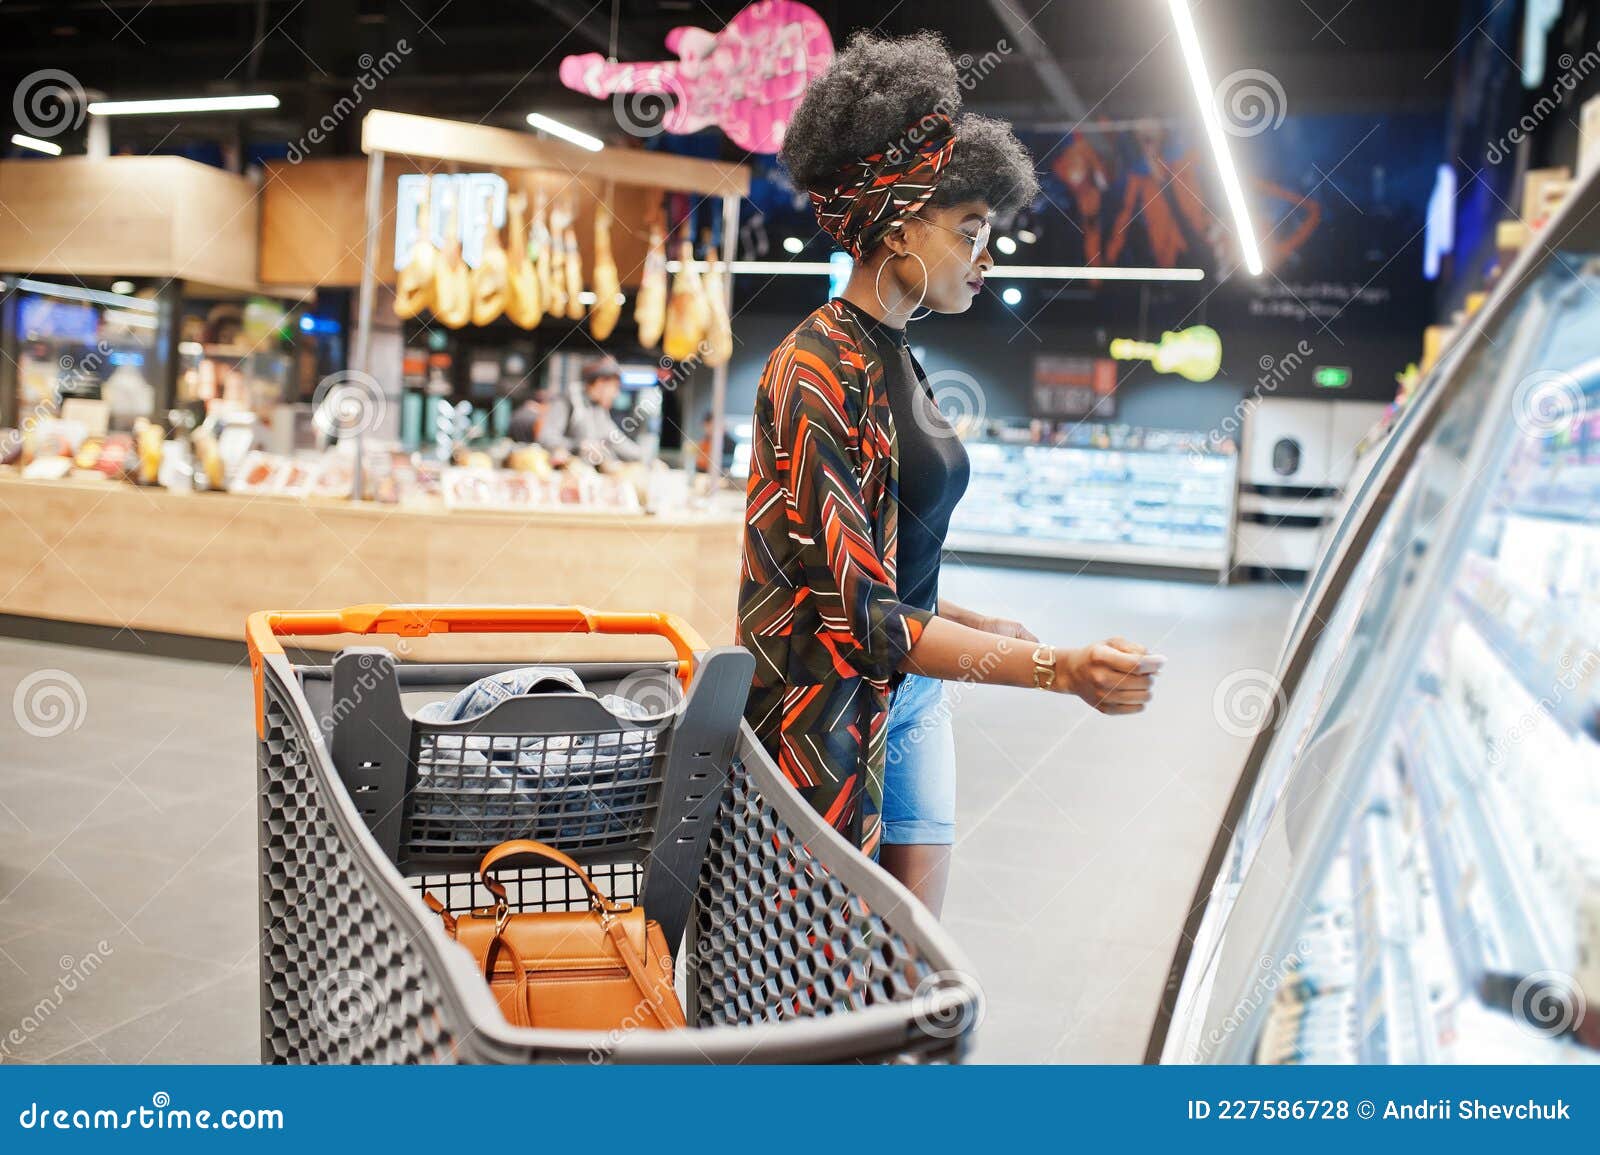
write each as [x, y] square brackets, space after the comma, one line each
[1410, 869]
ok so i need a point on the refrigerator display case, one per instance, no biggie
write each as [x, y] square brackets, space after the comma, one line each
[1409, 868]
[1108, 494]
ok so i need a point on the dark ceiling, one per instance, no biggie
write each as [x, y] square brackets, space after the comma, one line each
[495, 60]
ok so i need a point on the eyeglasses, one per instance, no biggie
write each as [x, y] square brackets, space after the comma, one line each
[979, 240]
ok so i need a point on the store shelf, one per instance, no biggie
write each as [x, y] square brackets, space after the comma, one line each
[1165, 507]
[1542, 679]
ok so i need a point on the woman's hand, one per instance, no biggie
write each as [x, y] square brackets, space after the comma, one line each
[1008, 629]
[1105, 676]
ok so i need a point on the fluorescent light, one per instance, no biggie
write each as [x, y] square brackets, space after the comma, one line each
[1190, 40]
[1011, 295]
[36, 144]
[129, 318]
[1000, 272]
[181, 104]
[1092, 273]
[1027, 236]
[793, 245]
[79, 293]
[1005, 244]
[566, 132]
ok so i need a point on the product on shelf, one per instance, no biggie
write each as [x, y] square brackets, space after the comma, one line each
[524, 294]
[452, 279]
[719, 326]
[688, 313]
[542, 249]
[574, 259]
[258, 474]
[413, 289]
[489, 279]
[607, 284]
[650, 306]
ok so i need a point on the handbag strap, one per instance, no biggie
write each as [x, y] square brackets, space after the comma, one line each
[441, 910]
[526, 846]
[650, 989]
[520, 1015]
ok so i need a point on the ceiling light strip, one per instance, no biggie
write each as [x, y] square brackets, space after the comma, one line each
[998, 273]
[181, 104]
[1190, 41]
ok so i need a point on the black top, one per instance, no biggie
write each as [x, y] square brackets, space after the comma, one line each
[933, 465]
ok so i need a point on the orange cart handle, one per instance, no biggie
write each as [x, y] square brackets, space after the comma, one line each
[263, 628]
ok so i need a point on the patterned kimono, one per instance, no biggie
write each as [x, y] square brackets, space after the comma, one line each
[817, 601]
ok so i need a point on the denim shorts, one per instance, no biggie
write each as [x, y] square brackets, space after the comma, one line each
[919, 777]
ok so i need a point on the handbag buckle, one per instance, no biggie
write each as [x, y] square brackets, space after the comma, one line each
[502, 915]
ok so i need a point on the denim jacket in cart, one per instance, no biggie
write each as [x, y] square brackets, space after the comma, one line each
[817, 601]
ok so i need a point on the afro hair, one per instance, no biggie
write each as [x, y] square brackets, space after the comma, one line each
[873, 91]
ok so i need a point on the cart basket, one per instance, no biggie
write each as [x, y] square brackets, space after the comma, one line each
[794, 947]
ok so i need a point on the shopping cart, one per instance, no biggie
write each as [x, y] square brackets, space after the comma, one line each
[795, 947]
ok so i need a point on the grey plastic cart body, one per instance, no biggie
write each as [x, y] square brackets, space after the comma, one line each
[795, 947]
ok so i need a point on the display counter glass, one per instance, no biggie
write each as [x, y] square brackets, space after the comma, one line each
[1412, 873]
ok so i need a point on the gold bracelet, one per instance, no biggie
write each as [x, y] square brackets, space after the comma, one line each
[1044, 667]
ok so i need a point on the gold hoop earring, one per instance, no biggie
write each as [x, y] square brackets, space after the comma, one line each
[877, 290]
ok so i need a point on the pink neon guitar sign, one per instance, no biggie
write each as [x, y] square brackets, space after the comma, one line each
[747, 79]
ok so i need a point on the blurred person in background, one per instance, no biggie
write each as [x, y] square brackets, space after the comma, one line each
[583, 427]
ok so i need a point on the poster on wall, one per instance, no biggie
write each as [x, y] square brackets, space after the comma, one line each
[1068, 387]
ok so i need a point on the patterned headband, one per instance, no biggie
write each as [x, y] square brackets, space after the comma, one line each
[878, 190]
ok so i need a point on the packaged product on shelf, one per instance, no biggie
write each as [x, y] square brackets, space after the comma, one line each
[469, 488]
[294, 479]
[258, 474]
[334, 478]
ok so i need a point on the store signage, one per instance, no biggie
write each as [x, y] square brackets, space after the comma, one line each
[1072, 388]
[477, 200]
[748, 78]
[1331, 376]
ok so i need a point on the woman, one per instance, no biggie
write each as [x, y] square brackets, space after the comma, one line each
[854, 471]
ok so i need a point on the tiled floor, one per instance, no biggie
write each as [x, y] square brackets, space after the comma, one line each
[127, 840]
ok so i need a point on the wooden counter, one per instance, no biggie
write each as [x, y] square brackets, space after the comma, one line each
[112, 554]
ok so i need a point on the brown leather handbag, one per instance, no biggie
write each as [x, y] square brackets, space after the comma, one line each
[605, 968]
